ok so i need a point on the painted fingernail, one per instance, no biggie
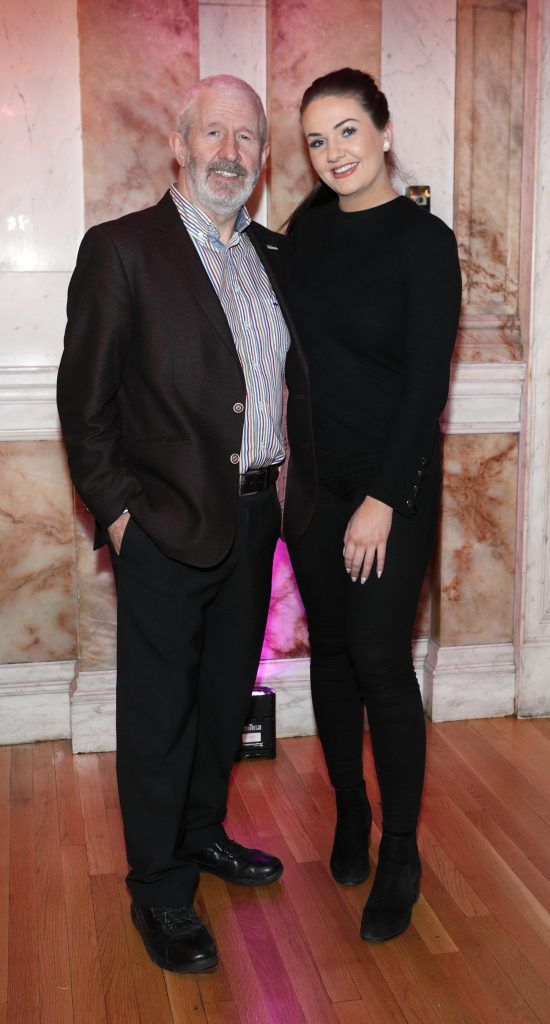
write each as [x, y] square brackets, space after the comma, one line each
[348, 570]
[379, 573]
[363, 579]
[354, 579]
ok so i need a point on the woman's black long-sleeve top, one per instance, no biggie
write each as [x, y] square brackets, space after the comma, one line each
[375, 296]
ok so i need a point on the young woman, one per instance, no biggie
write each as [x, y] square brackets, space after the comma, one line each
[375, 293]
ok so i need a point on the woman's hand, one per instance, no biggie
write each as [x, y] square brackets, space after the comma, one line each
[366, 536]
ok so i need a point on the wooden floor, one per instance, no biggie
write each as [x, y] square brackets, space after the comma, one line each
[478, 951]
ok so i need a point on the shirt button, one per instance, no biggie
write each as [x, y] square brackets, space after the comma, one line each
[234, 459]
[238, 407]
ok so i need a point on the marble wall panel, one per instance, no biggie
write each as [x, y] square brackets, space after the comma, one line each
[136, 60]
[475, 565]
[491, 57]
[37, 571]
[96, 598]
[41, 165]
[308, 39]
[232, 41]
[418, 77]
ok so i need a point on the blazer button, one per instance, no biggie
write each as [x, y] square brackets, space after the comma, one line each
[234, 459]
[423, 461]
[420, 473]
[409, 502]
[415, 489]
[238, 407]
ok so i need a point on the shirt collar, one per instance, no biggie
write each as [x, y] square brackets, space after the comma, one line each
[199, 224]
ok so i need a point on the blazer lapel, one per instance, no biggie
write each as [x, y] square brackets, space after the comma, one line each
[260, 247]
[181, 251]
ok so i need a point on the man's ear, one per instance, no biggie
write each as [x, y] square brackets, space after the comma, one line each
[177, 146]
[264, 155]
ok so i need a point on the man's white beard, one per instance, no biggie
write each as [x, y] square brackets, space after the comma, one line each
[210, 194]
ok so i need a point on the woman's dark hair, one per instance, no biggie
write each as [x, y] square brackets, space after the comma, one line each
[344, 82]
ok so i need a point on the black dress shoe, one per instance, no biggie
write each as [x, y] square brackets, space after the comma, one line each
[238, 864]
[395, 889]
[349, 862]
[175, 938]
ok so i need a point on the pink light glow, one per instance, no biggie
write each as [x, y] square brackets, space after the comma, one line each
[286, 633]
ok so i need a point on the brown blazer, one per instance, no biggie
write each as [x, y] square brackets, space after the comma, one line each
[148, 382]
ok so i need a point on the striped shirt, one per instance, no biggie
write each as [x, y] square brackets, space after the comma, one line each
[256, 322]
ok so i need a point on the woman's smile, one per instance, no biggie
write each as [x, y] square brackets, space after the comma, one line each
[345, 169]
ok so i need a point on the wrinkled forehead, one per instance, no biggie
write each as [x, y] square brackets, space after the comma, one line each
[219, 104]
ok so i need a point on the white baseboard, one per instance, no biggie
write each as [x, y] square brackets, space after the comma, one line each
[28, 409]
[534, 673]
[35, 701]
[93, 704]
[474, 681]
[456, 683]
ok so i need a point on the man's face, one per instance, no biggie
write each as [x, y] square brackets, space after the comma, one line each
[222, 156]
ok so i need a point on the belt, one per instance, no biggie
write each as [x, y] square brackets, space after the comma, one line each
[255, 480]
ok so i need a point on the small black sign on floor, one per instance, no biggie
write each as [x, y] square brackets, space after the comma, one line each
[258, 736]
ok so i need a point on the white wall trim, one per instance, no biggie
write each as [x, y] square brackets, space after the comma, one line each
[484, 398]
[474, 681]
[35, 701]
[28, 410]
[93, 702]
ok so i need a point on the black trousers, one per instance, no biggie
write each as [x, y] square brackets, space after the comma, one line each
[361, 636]
[189, 643]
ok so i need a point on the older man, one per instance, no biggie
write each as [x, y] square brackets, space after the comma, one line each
[170, 398]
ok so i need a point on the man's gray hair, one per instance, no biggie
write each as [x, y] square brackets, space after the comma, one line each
[227, 83]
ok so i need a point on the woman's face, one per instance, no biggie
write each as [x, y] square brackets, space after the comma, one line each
[346, 149]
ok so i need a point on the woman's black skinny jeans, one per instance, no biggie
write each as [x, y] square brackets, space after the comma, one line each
[361, 636]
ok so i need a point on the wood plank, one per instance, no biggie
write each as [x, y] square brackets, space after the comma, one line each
[293, 945]
[116, 971]
[232, 948]
[21, 773]
[476, 953]
[503, 791]
[56, 1006]
[71, 824]
[223, 1013]
[149, 980]
[5, 829]
[86, 979]
[465, 897]
[93, 813]
[185, 999]
[355, 1012]
[23, 965]
[506, 913]
[277, 986]
[107, 773]
[431, 930]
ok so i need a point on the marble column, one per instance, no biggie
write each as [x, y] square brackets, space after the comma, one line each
[533, 696]
[233, 41]
[418, 77]
[306, 40]
[41, 189]
[134, 69]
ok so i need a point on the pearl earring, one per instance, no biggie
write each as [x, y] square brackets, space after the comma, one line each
[386, 145]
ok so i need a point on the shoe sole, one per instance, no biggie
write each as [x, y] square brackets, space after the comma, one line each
[248, 883]
[203, 967]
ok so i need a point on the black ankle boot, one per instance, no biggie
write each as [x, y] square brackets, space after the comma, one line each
[395, 889]
[349, 862]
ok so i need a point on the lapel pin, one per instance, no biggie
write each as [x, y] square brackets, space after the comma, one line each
[275, 247]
